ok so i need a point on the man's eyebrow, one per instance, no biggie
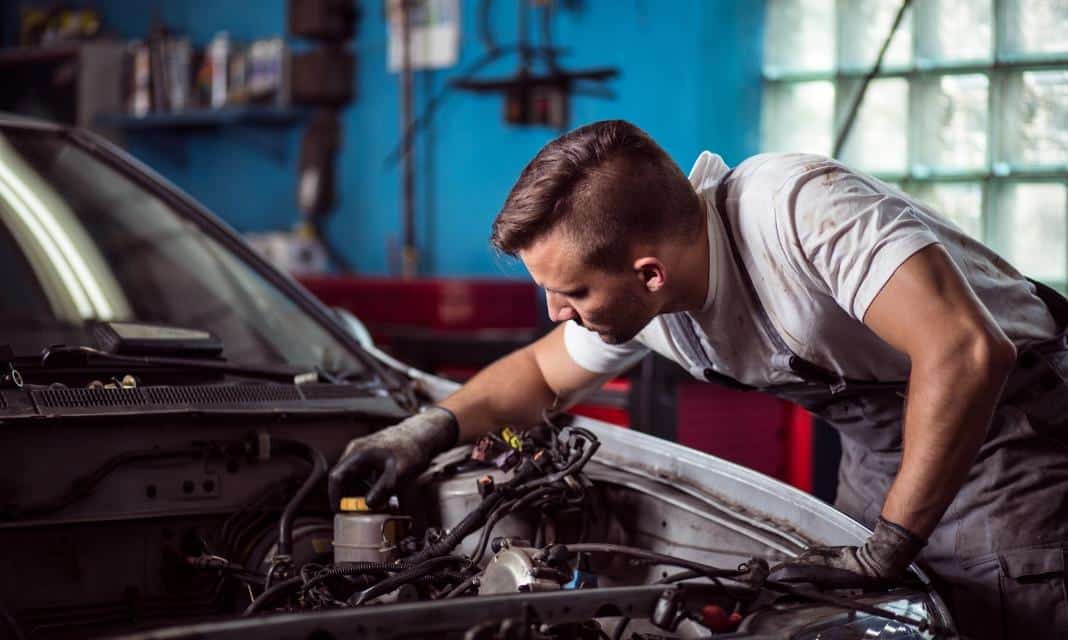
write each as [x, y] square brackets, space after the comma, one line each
[566, 292]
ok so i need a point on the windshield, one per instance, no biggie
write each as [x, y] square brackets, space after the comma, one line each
[80, 242]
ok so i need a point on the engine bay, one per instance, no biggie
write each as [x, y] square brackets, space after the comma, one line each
[199, 527]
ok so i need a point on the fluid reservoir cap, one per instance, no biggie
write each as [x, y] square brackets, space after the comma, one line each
[354, 504]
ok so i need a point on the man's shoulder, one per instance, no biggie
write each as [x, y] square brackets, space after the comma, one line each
[773, 169]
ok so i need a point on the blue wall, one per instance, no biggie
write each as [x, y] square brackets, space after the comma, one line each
[690, 77]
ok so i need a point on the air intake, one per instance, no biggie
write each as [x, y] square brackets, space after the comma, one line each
[221, 394]
[165, 396]
[87, 398]
[331, 391]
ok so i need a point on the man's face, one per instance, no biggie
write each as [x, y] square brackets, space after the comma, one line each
[614, 304]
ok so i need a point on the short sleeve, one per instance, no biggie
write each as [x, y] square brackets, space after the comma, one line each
[855, 233]
[593, 354]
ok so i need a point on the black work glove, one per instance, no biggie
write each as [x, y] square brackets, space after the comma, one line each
[391, 456]
[884, 557]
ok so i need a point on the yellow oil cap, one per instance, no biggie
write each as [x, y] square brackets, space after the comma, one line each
[354, 504]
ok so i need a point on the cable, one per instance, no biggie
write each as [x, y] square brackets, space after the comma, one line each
[435, 102]
[353, 569]
[502, 512]
[485, 34]
[492, 54]
[847, 125]
[704, 569]
[525, 52]
[399, 580]
[547, 36]
[305, 584]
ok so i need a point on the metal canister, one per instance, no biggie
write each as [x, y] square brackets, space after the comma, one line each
[366, 536]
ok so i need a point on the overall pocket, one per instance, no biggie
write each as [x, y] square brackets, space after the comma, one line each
[1033, 598]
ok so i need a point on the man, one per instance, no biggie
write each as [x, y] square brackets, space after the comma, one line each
[797, 276]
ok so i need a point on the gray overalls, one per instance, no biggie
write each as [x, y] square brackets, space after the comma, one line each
[998, 555]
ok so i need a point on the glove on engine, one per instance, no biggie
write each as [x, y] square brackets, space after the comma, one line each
[392, 455]
[886, 555]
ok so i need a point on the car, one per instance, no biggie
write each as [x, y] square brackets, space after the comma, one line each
[170, 405]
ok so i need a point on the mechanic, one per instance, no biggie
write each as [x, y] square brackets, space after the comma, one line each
[941, 365]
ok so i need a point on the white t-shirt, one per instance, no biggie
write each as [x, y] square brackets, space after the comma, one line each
[819, 242]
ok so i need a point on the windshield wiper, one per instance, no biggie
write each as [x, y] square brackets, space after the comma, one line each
[82, 357]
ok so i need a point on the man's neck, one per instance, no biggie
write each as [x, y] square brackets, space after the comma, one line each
[691, 277]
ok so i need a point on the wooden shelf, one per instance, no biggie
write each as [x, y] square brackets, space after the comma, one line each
[204, 118]
[17, 56]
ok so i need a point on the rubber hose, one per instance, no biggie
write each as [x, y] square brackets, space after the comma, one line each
[267, 595]
[318, 472]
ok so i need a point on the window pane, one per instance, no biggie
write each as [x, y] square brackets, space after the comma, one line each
[797, 116]
[952, 126]
[1034, 226]
[962, 203]
[1037, 26]
[799, 36]
[954, 30]
[864, 27]
[877, 142]
[1037, 118]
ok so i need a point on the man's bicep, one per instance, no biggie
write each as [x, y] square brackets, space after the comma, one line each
[565, 377]
[927, 304]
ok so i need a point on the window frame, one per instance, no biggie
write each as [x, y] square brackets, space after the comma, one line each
[997, 171]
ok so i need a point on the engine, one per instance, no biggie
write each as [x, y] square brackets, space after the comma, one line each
[525, 535]
[517, 516]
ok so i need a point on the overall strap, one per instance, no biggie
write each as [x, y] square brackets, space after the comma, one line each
[1054, 301]
[785, 356]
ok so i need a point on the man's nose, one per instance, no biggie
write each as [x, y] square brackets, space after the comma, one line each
[559, 310]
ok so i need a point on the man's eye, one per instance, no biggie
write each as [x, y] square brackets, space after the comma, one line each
[578, 294]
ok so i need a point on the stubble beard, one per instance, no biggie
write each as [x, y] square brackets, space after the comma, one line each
[635, 321]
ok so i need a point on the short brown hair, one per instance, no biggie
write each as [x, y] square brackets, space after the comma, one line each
[609, 184]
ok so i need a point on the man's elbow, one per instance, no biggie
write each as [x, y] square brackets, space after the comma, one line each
[975, 355]
[991, 352]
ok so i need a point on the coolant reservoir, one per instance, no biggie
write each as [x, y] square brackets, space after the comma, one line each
[361, 535]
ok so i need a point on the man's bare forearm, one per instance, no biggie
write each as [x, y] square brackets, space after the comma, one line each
[511, 391]
[951, 400]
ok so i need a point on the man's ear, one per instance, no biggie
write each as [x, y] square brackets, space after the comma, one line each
[651, 272]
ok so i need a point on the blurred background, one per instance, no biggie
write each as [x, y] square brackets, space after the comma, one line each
[365, 146]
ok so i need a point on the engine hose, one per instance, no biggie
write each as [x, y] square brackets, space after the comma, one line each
[318, 472]
[410, 575]
[268, 595]
[468, 525]
[354, 569]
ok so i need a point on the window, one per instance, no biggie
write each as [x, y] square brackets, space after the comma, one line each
[969, 111]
